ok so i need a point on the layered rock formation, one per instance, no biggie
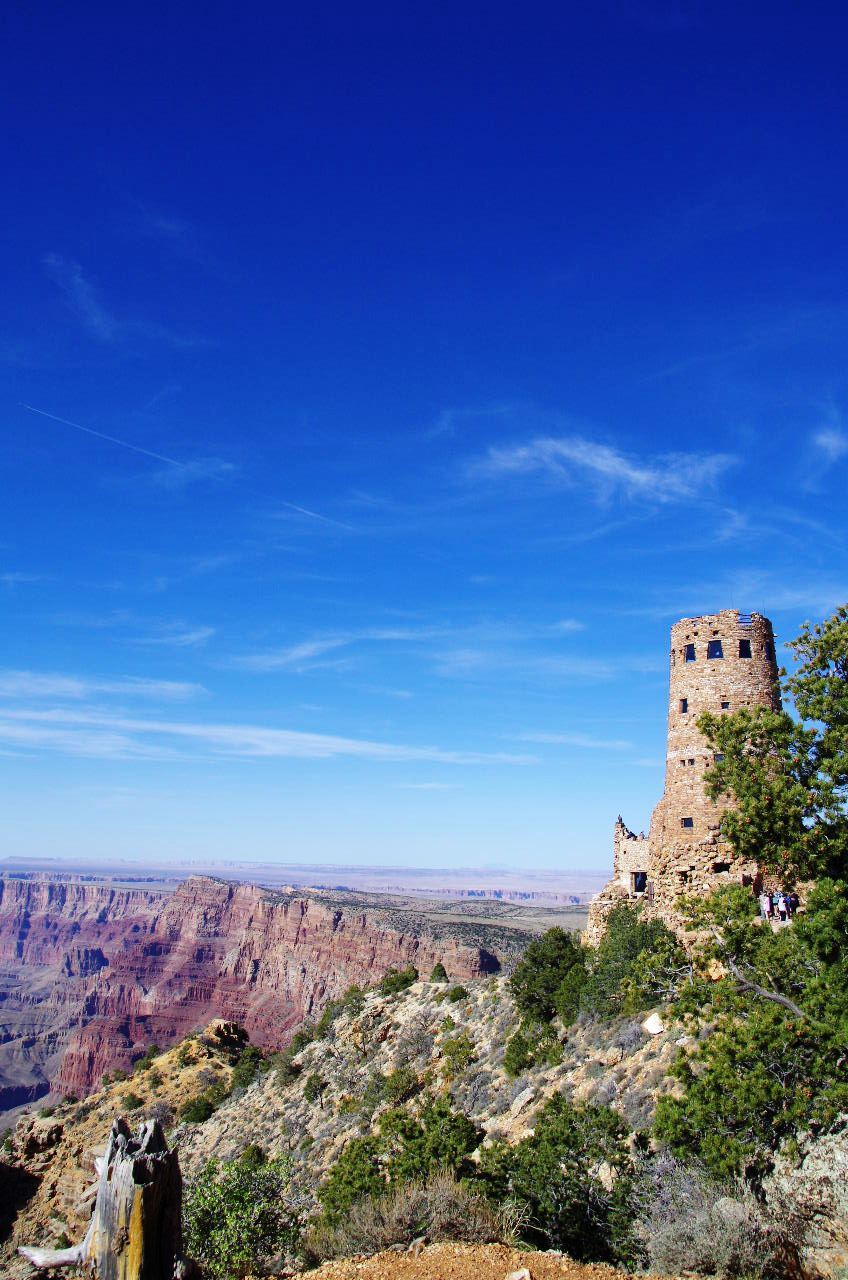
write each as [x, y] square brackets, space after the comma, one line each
[91, 974]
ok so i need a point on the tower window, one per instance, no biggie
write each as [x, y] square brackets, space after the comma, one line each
[690, 761]
[684, 705]
[744, 648]
[725, 706]
[689, 653]
[718, 757]
[714, 649]
[687, 822]
[721, 866]
[770, 651]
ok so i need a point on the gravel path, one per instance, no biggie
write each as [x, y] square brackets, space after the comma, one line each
[463, 1262]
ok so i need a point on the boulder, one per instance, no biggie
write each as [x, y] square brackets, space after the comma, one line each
[812, 1191]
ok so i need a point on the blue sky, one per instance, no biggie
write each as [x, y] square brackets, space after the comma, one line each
[426, 363]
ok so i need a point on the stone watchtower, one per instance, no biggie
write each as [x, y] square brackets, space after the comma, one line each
[719, 662]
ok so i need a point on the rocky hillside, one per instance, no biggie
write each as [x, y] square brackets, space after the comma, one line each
[379, 1052]
[450, 1038]
[451, 1045]
[92, 974]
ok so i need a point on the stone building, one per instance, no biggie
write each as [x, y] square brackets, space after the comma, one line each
[719, 662]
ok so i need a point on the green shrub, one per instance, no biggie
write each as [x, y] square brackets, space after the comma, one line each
[313, 1088]
[456, 994]
[440, 973]
[401, 1084]
[196, 1110]
[302, 1038]
[287, 1069]
[767, 1069]
[551, 965]
[145, 1063]
[397, 980]
[353, 1000]
[237, 1217]
[437, 1138]
[253, 1155]
[630, 968]
[351, 1003]
[518, 1055]
[554, 1173]
[333, 1009]
[371, 1095]
[132, 1101]
[458, 1052]
[407, 1148]
[356, 1173]
[247, 1068]
[185, 1054]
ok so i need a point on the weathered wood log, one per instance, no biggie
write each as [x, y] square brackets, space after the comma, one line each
[135, 1231]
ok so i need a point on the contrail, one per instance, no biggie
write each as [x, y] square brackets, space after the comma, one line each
[125, 444]
[315, 515]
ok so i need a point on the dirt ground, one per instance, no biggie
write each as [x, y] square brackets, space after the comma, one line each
[462, 1262]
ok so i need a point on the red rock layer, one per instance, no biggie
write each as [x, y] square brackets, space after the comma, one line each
[134, 967]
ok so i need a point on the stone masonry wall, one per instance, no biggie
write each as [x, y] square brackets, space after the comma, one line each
[718, 662]
[630, 855]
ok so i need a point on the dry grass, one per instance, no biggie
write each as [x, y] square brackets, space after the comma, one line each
[695, 1226]
[439, 1209]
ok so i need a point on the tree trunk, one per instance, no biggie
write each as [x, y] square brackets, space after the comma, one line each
[136, 1230]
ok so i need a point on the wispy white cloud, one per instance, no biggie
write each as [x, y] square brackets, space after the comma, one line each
[18, 579]
[302, 656]
[575, 460]
[426, 786]
[765, 591]
[99, 322]
[189, 638]
[403, 695]
[476, 663]
[81, 296]
[34, 684]
[581, 740]
[60, 728]
[173, 232]
[479, 652]
[451, 421]
[831, 443]
[78, 740]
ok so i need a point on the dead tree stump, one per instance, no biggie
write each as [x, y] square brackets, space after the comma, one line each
[135, 1231]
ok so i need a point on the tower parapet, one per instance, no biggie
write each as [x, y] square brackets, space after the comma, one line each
[719, 663]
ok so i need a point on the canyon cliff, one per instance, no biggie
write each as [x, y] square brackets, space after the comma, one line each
[90, 974]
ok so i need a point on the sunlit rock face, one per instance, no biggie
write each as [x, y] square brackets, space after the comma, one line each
[91, 974]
